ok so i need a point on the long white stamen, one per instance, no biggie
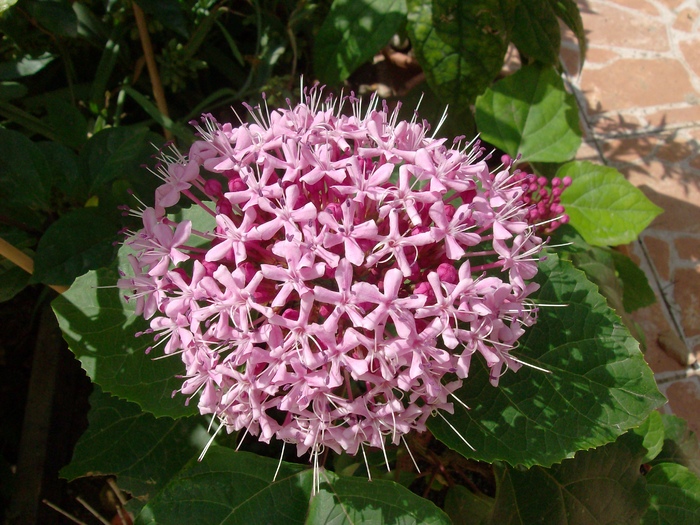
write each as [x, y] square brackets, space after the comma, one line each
[455, 431]
[410, 454]
[460, 402]
[279, 464]
[209, 443]
[369, 473]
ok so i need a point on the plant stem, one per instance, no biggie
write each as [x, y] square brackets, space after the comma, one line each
[158, 92]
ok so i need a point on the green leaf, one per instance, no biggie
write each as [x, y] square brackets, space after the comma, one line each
[570, 14]
[168, 13]
[114, 152]
[6, 4]
[100, 328]
[599, 385]
[230, 487]
[351, 500]
[180, 131]
[675, 496]
[65, 173]
[536, 33]
[12, 90]
[531, 114]
[25, 179]
[352, 33]
[56, 17]
[602, 486]
[680, 444]
[460, 45]
[144, 452]
[466, 508]
[636, 291]
[81, 240]
[67, 121]
[603, 206]
[599, 266]
[12, 280]
[652, 433]
[25, 66]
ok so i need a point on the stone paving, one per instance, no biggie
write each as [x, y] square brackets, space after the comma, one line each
[639, 96]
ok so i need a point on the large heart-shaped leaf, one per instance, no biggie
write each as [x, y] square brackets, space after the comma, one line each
[25, 181]
[570, 14]
[531, 114]
[114, 152]
[352, 33]
[81, 240]
[100, 327]
[349, 501]
[536, 33]
[598, 386]
[603, 206]
[229, 487]
[602, 486]
[460, 45]
[681, 445]
[144, 452]
[675, 496]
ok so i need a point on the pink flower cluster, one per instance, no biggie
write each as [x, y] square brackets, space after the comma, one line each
[356, 266]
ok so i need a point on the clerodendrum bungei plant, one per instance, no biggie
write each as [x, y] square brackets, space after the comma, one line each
[335, 278]
[410, 314]
[356, 267]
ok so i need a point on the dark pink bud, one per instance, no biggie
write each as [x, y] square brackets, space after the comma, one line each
[447, 273]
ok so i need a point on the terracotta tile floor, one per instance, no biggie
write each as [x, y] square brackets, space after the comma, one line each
[639, 95]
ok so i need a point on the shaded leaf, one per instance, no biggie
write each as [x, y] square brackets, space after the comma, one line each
[603, 206]
[460, 45]
[570, 14]
[675, 496]
[168, 13]
[67, 121]
[636, 291]
[100, 328]
[25, 66]
[25, 180]
[12, 280]
[352, 33]
[599, 266]
[599, 385]
[65, 173]
[466, 508]
[536, 32]
[602, 486]
[114, 152]
[680, 444]
[353, 500]
[57, 17]
[652, 434]
[144, 452]
[531, 114]
[12, 90]
[229, 487]
[81, 240]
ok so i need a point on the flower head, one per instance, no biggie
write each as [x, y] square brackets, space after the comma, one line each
[356, 266]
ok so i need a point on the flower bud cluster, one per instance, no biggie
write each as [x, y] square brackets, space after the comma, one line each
[543, 199]
[356, 267]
